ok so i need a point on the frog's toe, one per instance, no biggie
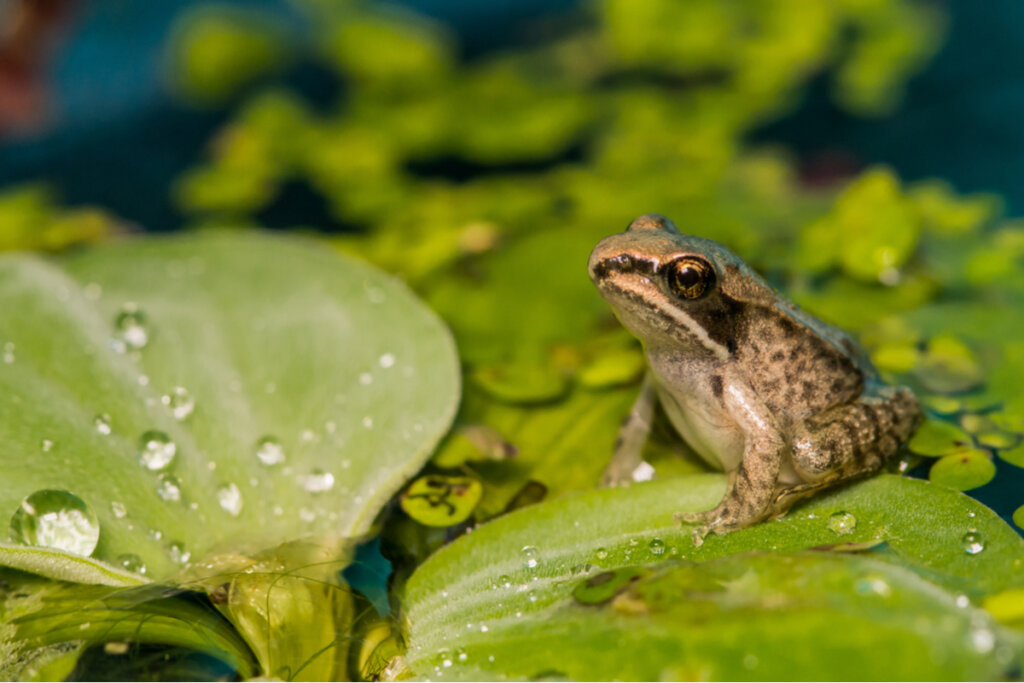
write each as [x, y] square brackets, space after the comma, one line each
[693, 517]
[698, 535]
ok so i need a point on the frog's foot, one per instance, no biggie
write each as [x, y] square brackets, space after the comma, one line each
[705, 519]
[693, 517]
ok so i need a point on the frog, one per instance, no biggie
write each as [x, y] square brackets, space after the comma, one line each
[784, 403]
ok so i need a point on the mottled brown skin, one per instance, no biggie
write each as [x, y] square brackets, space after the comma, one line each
[785, 403]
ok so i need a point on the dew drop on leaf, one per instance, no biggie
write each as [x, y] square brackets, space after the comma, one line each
[156, 450]
[56, 519]
[270, 451]
[230, 499]
[179, 402]
[119, 510]
[178, 553]
[972, 543]
[529, 554]
[168, 487]
[842, 523]
[47, 445]
[102, 423]
[318, 481]
[656, 546]
[387, 360]
[132, 563]
[130, 327]
[602, 553]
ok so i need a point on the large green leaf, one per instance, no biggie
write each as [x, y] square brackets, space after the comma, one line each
[506, 589]
[267, 338]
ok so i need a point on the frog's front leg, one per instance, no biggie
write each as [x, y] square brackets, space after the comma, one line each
[629, 447]
[751, 487]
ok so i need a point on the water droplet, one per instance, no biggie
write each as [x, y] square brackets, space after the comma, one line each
[179, 402]
[962, 601]
[178, 554]
[484, 628]
[318, 481]
[842, 523]
[368, 422]
[643, 472]
[972, 543]
[230, 499]
[505, 581]
[156, 450]
[56, 519]
[983, 640]
[602, 553]
[387, 360]
[156, 534]
[9, 352]
[119, 510]
[365, 378]
[269, 451]
[168, 487]
[130, 327]
[529, 554]
[460, 655]
[102, 423]
[47, 445]
[656, 546]
[132, 563]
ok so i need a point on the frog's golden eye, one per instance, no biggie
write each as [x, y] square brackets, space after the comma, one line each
[690, 277]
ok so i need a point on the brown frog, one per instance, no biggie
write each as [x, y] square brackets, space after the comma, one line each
[783, 402]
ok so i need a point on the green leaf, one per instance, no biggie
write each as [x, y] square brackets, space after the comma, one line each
[963, 471]
[292, 390]
[936, 438]
[436, 500]
[506, 587]
[39, 614]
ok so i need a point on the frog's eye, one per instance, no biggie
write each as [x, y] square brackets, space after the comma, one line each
[690, 277]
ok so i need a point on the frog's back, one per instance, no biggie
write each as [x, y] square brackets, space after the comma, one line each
[795, 361]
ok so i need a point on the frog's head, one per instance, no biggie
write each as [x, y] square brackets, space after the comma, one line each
[675, 290]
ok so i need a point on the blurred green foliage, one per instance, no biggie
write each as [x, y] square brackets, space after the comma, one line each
[30, 219]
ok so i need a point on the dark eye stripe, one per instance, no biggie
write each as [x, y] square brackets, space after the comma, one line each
[625, 263]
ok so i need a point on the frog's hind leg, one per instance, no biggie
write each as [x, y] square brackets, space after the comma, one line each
[849, 442]
[628, 454]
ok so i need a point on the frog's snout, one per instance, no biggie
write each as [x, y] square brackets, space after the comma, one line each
[608, 259]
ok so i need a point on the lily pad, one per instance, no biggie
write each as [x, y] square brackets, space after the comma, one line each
[507, 588]
[212, 393]
[963, 471]
[936, 438]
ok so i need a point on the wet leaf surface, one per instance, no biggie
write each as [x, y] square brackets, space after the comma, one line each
[508, 588]
[314, 386]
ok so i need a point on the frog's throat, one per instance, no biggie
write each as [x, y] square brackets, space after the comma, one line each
[646, 302]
